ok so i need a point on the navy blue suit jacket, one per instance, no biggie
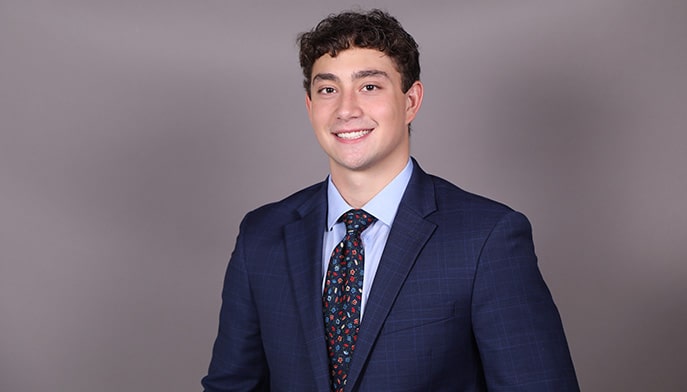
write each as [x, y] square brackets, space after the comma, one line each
[458, 302]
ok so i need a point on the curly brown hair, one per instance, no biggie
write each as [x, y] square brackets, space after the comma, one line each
[374, 29]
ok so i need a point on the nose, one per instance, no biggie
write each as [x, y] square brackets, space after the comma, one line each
[349, 106]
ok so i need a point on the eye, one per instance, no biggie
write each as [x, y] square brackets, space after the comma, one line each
[326, 90]
[370, 87]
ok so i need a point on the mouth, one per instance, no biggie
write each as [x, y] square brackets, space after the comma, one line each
[352, 135]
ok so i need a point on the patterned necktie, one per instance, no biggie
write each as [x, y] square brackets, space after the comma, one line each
[341, 300]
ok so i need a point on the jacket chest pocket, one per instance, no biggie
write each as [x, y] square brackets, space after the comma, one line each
[428, 308]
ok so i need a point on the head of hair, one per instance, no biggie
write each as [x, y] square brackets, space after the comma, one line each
[374, 29]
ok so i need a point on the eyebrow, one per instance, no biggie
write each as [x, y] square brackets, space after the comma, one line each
[368, 73]
[325, 76]
[357, 75]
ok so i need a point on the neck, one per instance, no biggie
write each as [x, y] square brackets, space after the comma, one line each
[360, 186]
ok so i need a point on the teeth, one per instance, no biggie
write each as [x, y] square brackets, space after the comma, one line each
[353, 135]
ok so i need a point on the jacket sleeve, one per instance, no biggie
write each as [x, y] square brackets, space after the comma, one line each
[517, 327]
[238, 361]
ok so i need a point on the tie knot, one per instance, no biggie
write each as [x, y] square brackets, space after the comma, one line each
[356, 221]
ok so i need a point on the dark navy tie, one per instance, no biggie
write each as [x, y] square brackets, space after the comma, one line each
[342, 296]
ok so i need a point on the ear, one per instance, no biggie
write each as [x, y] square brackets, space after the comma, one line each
[413, 100]
[308, 105]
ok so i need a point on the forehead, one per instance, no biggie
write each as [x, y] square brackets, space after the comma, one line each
[353, 61]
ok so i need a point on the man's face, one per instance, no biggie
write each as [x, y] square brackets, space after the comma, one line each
[359, 113]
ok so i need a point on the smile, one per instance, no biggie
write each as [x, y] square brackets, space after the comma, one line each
[353, 134]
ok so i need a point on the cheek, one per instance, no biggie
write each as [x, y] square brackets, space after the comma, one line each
[314, 119]
[389, 106]
[389, 113]
[319, 114]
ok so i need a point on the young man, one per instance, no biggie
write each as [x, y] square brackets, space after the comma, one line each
[382, 277]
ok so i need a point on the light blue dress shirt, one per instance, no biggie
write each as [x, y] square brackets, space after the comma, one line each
[383, 207]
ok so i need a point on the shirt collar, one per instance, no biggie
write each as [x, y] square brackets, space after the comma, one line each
[383, 206]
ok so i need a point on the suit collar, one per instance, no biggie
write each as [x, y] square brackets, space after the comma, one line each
[419, 196]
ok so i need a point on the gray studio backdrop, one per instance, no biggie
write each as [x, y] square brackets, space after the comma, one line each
[135, 134]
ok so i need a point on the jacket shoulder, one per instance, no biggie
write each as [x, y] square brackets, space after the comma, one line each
[288, 209]
[452, 197]
[458, 209]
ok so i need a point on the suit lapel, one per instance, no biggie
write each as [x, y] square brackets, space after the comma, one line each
[303, 240]
[408, 235]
